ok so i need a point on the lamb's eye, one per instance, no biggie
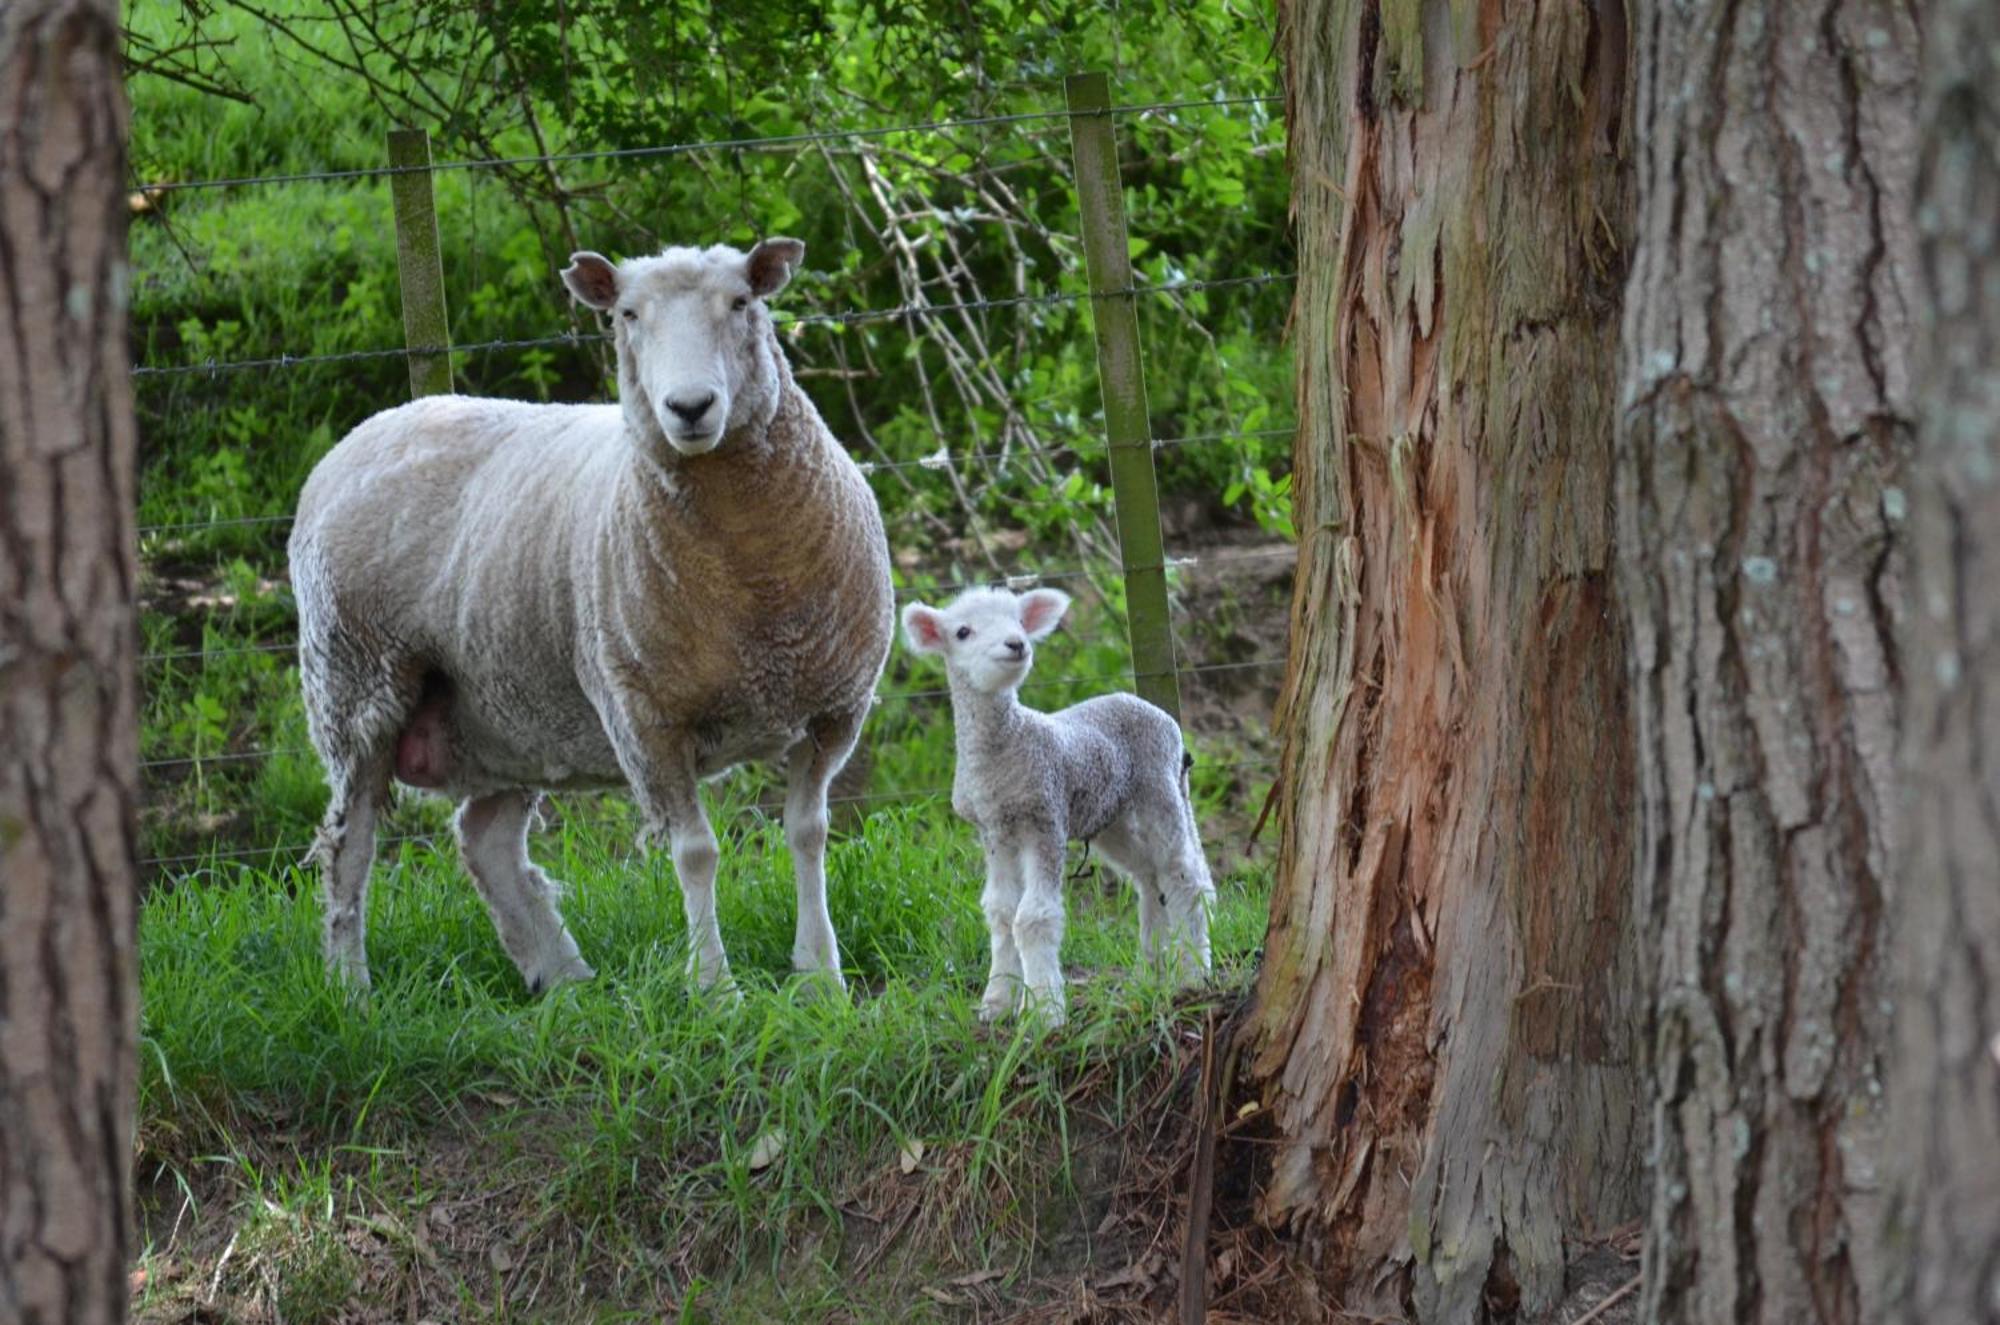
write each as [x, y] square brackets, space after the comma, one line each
[965, 632]
[741, 302]
[628, 314]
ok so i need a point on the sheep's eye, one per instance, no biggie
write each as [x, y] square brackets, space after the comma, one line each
[965, 632]
[741, 302]
[628, 314]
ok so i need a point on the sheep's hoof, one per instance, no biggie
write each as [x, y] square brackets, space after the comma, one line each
[822, 985]
[718, 987]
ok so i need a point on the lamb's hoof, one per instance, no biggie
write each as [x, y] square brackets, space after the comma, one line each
[571, 970]
[997, 1009]
[1046, 1009]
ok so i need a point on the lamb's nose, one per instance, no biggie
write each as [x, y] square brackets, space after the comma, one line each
[1017, 647]
[690, 411]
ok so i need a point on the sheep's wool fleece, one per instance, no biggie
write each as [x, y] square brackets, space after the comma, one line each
[545, 564]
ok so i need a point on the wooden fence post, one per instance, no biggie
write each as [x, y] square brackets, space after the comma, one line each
[1121, 377]
[419, 269]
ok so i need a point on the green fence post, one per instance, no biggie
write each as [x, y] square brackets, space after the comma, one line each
[1122, 379]
[418, 266]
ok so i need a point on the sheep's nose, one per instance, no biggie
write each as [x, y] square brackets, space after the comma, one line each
[690, 411]
[1017, 647]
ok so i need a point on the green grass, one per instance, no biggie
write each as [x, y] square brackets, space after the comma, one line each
[632, 1105]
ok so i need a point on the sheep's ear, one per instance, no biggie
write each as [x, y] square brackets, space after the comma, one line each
[772, 263]
[592, 279]
[1041, 609]
[923, 627]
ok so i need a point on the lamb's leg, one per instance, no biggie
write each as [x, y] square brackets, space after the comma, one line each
[1152, 909]
[1000, 902]
[810, 767]
[493, 840]
[1190, 897]
[1038, 925]
[345, 848]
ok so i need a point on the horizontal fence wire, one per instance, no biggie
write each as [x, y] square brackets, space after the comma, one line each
[937, 463]
[1017, 580]
[713, 145]
[782, 319]
[296, 852]
[887, 696]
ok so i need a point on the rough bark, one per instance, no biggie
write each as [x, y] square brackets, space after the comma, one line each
[1765, 419]
[68, 716]
[1449, 1012]
[1943, 1155]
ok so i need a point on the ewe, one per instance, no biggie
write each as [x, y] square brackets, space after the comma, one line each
[497, 597]
[1108, 771]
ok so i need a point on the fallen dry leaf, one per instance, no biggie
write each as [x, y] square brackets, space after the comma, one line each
[765, 1150]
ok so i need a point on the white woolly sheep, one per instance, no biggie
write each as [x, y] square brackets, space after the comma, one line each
[498, 597]
[1109, 772]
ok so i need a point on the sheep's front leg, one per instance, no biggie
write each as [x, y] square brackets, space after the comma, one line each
[662, 774]
[696, 858]
[810, 767]
[1038, 924]
[1000, 902]
[493, 840]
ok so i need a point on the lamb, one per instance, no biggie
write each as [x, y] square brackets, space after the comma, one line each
[1110, 771]
[497, 598]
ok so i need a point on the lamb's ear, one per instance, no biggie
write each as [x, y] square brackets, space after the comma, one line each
[923, 627]
[1041, 609]
[772, 263]
[592, 279]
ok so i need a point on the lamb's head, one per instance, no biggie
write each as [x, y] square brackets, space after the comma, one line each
[986, 636]
[698, 359]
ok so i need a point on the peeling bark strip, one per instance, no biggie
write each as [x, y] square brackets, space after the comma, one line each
[68, 712]
[1449, 1032]
[1765, 419]
[1944, 1083]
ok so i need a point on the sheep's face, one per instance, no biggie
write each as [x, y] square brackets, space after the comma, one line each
[697, 360]
[987, 636]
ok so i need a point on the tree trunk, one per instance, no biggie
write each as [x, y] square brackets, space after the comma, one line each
[1448, 1031]
[1944, 1085]
[68, 712]
[1765, 419]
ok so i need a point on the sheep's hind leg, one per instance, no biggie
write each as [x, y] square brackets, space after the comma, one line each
[345, 848]
[493, 840]
[811, 766]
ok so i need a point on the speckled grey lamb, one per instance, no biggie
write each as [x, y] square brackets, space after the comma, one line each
[1110, 771]
[498, 597]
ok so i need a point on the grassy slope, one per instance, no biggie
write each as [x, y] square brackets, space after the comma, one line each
[616, 1125]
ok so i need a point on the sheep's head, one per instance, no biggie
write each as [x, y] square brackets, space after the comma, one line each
[987, 636]
[697, 355]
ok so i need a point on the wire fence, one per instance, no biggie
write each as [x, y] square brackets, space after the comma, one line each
[1086, 445]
